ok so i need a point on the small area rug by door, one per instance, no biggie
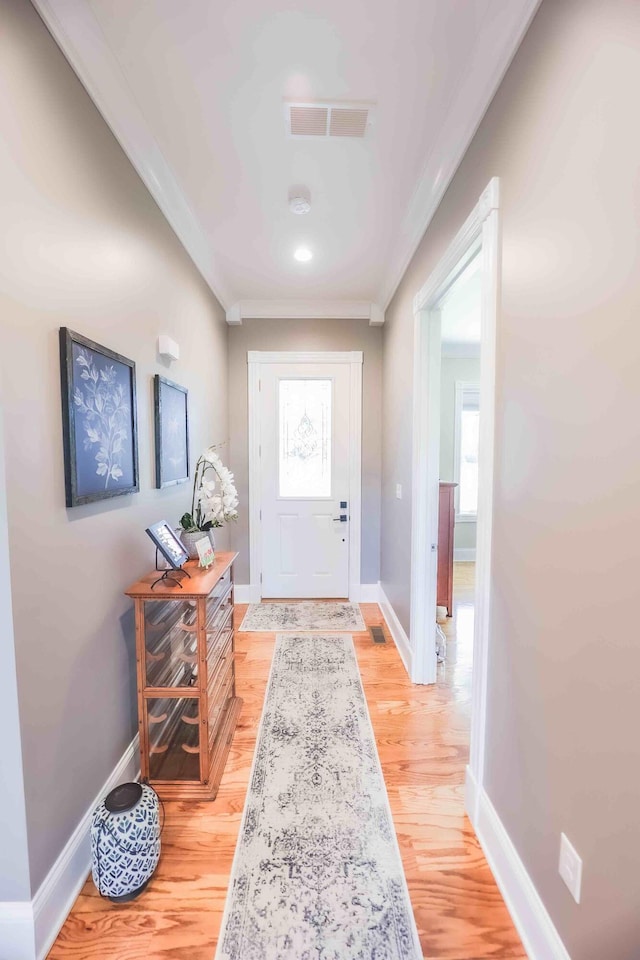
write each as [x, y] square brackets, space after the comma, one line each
[317, 869]
[304, 616]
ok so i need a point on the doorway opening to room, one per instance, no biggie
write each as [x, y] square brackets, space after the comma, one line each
[459, 422]
[305, 438]
[452, 509]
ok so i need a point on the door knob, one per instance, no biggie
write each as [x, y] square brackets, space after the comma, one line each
[341, 519]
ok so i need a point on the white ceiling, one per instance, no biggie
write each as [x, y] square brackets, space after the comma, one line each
[194, 91]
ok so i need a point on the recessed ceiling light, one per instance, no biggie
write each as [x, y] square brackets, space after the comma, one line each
[303, 254]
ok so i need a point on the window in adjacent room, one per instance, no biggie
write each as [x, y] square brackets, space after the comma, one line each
[467, 434]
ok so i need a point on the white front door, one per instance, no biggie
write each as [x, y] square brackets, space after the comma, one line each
[305, 498]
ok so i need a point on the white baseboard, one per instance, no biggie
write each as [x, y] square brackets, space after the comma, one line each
[396, 630]
[471, 795]
[30, 929]
[59, 889]
[369, 593]
[540, 938]
[242, 593]
[366, 593]
[464, 554]
[17, 940]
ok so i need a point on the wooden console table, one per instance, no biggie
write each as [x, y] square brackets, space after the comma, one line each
[187, 703]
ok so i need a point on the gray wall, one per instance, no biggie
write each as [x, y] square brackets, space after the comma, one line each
[14, 852]
[563, 750]
[451, 370]
[309, 335]
[83, 246]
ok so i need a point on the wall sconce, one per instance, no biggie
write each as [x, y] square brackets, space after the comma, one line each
[168, 348]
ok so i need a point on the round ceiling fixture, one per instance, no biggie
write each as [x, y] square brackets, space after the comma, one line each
[299, 205]
[303, 254]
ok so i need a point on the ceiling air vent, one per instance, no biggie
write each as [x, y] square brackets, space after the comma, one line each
[308, 121]
[348, 122]
[327, 119]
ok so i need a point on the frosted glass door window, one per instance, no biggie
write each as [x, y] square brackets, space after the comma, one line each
[304, 427]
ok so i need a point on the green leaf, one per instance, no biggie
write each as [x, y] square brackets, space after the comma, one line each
[188, 523]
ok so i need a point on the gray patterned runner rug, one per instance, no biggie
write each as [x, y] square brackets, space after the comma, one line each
[301, 616]
[317, 873]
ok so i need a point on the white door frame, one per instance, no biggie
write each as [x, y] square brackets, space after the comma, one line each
[255, 359]
[481, 231]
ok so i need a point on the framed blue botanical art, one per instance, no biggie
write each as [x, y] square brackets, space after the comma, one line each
[172, 432]
[99, 421]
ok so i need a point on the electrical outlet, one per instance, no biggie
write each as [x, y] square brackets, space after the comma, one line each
[398, 491]
[570, 867]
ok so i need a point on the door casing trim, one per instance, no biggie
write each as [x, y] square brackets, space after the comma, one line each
[255, 360]
[480, 231]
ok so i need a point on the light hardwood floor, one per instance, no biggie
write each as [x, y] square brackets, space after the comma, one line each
[422, 735]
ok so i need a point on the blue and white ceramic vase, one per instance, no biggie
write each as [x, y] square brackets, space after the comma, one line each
[125, 841]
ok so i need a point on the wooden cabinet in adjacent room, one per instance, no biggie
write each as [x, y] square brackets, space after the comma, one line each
[446, 529]
[187, 703]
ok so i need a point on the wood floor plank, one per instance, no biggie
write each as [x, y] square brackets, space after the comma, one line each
[422, 735]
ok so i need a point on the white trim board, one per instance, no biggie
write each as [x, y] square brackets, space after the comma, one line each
[454, 139]
[255, 358]
[396, 630]
[305, 310]
[77, 32]
[79, 36]
[31, 928]
[480, 232]
[539, 936]
[367, 593]
[305, 356]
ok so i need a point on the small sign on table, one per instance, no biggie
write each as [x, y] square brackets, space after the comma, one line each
[205, 552]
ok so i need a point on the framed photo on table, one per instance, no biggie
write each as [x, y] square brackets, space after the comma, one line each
[172, 432]
[168, 544]
[99, 421]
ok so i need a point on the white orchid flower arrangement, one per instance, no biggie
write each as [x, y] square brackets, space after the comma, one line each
[215, 498]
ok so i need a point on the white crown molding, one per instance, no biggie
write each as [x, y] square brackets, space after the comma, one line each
[376, 317]
[467, 111]
[79, 36]
[305, 310]
[234, 315]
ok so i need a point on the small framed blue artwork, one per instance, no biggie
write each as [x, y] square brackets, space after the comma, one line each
[99, 421]
[172, 432]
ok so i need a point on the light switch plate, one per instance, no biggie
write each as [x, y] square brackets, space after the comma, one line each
[398, 491]
[570, 867]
